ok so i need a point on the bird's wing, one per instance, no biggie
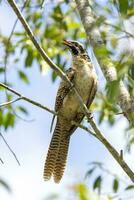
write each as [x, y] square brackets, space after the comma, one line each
[92, 93]
[79, 116]
[64, 89]
[62, 92]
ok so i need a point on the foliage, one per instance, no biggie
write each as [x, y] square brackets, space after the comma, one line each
[118, 186]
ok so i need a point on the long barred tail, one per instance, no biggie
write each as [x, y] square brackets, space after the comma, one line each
[52, 152]
[61, 159]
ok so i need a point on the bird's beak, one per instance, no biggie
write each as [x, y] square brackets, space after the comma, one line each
[67, 43]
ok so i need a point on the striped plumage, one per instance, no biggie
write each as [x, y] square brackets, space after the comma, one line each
[83, 76]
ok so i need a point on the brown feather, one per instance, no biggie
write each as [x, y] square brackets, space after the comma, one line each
[62, 158]
[52, 152]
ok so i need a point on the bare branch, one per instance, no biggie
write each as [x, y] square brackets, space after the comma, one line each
[10, 102]
[84, 128]
[1, 161]
[89, 19]
[42, 3]
[112, 150]
[10, 149]
[27, 99]
[122, 30]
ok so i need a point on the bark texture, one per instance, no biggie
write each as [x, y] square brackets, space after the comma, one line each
[88, 19]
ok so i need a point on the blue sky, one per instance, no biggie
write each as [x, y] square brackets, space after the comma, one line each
[30, 141]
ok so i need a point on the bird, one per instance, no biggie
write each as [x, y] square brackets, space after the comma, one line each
[84, 78]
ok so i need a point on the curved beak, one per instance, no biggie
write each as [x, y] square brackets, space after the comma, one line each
[68, 43]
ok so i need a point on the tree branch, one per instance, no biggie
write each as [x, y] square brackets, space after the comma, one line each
[112, 150]
[1, 161]
[26, 98]
[98, 134]
[10, 102]
[122, 30]
[9, 149]
[89, 22]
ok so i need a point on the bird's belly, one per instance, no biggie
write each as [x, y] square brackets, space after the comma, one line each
[71, 105]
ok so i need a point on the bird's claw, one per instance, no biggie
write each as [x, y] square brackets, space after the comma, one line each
[90, 116]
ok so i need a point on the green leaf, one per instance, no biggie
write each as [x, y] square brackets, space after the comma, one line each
[1, 117]
[89, 172]
[100, 20]
[52, 197]
[101, 117]
[112, 90]
[111, 118]
[97, 183]
[82, 191]
[23, 110]
[29, 58]
[57, 14]
[102, 51]
[114, 42]
[2, 70]
[130, 13]
[123, 6]
[36, 16]
[54, 76]
[73, 24]
[129, 187]
[23, 77]
[115, 185]
[9, 120]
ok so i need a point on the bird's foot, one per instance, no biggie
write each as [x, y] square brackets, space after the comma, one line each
[90, 116]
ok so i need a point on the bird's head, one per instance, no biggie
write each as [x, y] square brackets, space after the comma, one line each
[76, 49]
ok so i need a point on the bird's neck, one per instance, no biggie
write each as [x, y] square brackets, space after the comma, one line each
[79, 62]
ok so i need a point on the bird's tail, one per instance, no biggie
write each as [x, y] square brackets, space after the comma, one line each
[57, 154]
[61, 158]
[52, 152]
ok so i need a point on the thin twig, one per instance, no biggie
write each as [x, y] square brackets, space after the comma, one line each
[112, 150]
[13, 101]
[119, 28]
[27, 99]
[84, 128]
[42, 3]
[7, 55]
[10, 149]
[1, 161]
[10, 102]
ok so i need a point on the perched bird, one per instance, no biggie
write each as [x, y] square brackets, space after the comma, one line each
[84, 79]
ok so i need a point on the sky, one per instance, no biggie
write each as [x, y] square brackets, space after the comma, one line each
[30, 140]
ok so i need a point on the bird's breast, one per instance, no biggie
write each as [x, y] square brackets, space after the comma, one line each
[83, 82]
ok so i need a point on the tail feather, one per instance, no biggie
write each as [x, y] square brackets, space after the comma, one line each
[52, 152]
[61, 159]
